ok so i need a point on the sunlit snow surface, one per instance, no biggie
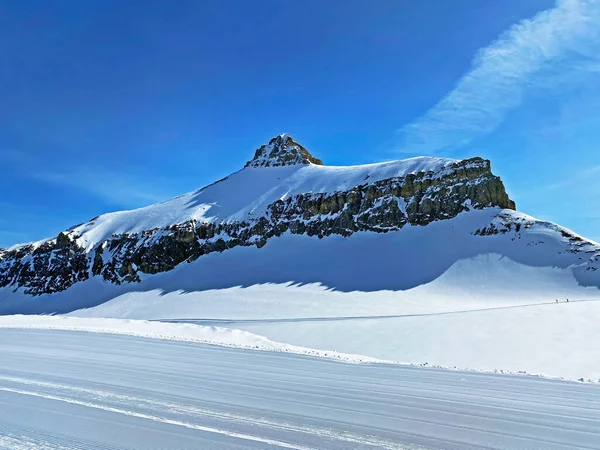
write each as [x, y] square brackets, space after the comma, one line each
[74, 390]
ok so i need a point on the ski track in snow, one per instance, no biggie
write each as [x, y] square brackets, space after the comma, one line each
[208, 321]
[74, 390]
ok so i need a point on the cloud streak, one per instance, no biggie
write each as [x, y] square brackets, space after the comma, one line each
[556, 45]
[109, 186]
[584, 175]
[127, 190]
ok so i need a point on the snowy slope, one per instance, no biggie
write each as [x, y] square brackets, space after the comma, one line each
[62, 390]
[247, 192]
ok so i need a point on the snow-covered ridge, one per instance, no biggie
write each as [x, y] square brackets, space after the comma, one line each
[247, 193]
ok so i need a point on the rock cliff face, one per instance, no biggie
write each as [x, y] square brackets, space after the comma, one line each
[50, 267]
[382, 205]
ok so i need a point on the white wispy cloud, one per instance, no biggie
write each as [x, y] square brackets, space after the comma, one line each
[109, 186]
[121, 188]
[582, 176]
[556, 45]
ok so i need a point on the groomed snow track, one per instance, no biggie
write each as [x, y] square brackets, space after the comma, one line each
[77, 390]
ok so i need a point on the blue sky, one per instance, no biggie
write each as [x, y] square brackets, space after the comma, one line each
[109, 105]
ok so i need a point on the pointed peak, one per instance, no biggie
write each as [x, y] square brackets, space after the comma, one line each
[282, 150]
[282, 136]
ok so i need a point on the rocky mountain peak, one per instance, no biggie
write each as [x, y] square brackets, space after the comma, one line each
[282, 150]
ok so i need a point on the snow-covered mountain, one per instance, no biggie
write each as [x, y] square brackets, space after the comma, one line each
[411, 220]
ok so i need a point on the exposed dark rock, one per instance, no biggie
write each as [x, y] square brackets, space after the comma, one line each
[282, 151]
[514, 226]
[51, 267]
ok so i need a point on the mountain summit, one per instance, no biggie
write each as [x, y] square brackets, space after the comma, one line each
[282, 150]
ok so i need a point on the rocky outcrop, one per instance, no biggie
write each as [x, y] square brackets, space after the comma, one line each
[282, 150]
[515, 227]
[379, 206]
[51, 267]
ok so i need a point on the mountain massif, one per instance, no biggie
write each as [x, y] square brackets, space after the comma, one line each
[284, 190]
